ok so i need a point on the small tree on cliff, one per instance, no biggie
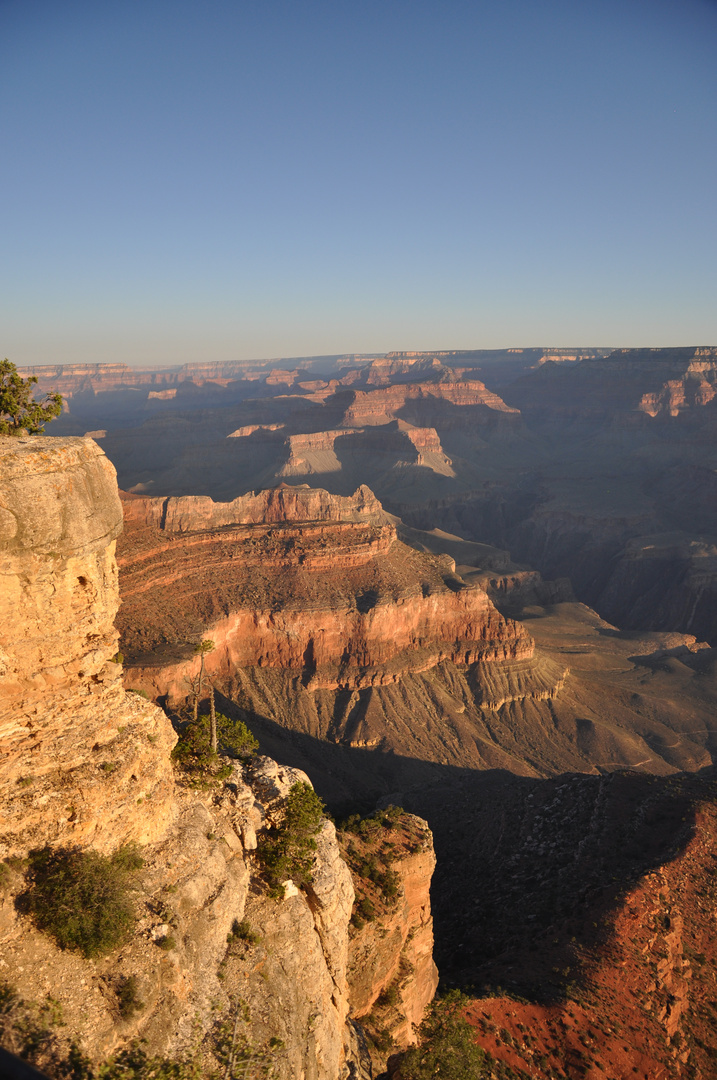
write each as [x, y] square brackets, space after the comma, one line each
[20, 414]
[201, 650]
[447, 1047]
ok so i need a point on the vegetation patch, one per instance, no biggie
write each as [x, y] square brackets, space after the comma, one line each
[288, 852]
[371, 846]
[81, 898]
[128, 998]
[193, 754]
[242, 931]
[20, 414]
[28, 1028]
[447, 1047]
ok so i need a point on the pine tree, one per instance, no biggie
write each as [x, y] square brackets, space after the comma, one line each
[20, 414]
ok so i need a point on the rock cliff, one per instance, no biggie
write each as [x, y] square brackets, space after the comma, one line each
[649, 383]
[63, 710]
[423, 404]
[391, 972]
[278, 983]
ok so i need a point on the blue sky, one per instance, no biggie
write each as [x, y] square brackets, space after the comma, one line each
[216, 180]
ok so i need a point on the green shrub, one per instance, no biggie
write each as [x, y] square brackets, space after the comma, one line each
[81, 898]
[388, 997]
[128, 998]
[381, 1039]
[242, 931]
[27, 1027]
[167, 943]
[20, 414]
[133, 1063]
[447, 1047]
[194, 755]
[288, 851]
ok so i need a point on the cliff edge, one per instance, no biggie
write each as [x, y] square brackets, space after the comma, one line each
[63, 710]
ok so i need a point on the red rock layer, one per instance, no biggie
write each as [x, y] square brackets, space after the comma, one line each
[337, 598]
[281, 505]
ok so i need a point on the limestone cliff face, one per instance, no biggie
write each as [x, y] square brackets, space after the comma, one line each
[63, 710]
[282, 989]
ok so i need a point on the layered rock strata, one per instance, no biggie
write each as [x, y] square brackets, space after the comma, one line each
[421, 402]
[320, 586]
[649, 383]
[81, 761]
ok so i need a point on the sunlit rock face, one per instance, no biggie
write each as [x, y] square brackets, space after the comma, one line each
[297, 580]
[79, 756]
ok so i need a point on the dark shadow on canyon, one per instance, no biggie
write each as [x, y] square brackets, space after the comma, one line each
[528, 869]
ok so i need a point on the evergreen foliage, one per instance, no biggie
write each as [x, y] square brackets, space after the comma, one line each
[193, 752]
[81, 898]
[447, 1048]
[289, 851]
[20, 414]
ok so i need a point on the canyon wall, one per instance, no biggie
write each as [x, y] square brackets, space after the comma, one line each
[194, 513]
[318, 585]
[649, 383]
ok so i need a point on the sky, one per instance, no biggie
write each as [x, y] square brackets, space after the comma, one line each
[233, 179]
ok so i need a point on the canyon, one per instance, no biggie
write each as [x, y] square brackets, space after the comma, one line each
[477, 585]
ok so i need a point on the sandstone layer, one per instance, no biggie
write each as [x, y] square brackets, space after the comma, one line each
[82, 761]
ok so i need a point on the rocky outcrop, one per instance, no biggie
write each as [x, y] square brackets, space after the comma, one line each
[281, 988]
[421, 402]
[63, 710]
[513, 591]
[280, 505]
[391, 969]
[312, 453]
